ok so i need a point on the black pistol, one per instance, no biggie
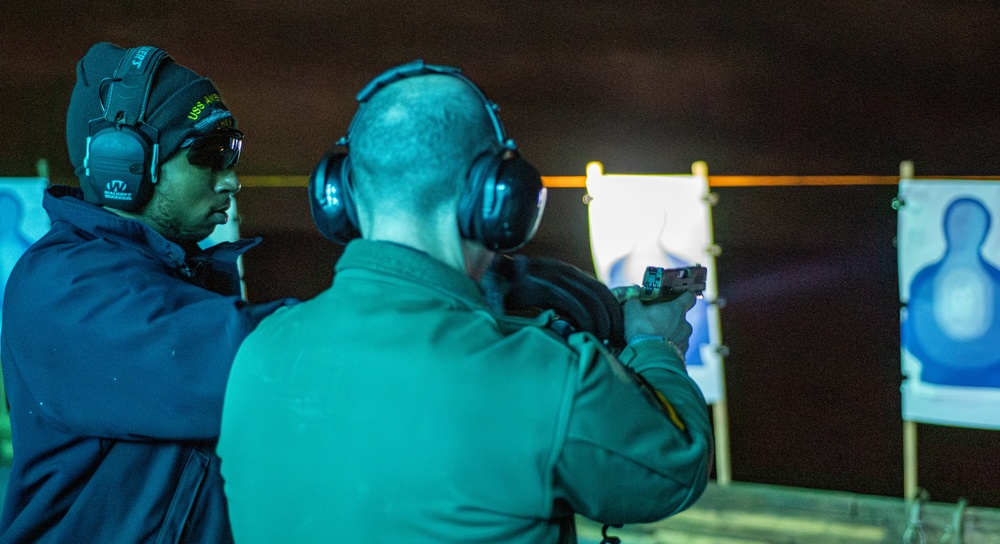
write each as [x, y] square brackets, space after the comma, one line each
[662, 284]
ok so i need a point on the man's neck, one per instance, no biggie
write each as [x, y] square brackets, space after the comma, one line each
[438, 238]
[187, 245]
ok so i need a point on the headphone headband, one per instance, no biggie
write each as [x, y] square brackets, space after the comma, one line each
[418, 68]
[130, 89]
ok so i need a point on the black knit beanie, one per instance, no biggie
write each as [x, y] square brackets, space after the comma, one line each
[181, 104]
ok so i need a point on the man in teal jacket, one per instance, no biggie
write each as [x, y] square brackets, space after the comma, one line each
[395, 407]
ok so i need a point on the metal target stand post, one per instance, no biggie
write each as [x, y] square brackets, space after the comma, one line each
[720, 408]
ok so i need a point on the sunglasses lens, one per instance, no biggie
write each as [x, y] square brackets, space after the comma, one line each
[218, 151]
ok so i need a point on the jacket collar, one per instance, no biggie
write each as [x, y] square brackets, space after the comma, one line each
[410, 265]
[64, 203]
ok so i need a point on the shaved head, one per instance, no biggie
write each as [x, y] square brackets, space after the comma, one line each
[412, 145]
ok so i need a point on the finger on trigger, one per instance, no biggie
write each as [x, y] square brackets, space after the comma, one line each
[689, 300]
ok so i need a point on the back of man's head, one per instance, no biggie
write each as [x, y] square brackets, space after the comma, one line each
[413, 145]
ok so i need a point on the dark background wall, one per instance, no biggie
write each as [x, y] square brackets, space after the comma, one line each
[754, 88]
[774, 87]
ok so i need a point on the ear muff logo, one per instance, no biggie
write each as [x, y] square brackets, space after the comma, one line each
[139, 56]
[117, 189]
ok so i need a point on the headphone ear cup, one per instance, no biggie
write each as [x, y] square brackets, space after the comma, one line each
[117, 170]
[503, 203]
[470, 203]
[331, 201]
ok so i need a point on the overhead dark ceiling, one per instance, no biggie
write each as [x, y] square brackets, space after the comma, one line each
[782, 87]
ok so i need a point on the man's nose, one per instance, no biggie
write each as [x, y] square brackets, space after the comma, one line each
[227, 182]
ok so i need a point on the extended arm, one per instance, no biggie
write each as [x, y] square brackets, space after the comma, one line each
[126, 349]
[639, 441]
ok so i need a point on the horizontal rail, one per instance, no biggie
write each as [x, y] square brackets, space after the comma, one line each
[713, 181]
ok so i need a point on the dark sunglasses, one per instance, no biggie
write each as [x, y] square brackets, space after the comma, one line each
[219, 150]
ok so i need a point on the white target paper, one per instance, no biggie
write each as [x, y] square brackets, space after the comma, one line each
[22, 221]
[949, 281]
[665, 221]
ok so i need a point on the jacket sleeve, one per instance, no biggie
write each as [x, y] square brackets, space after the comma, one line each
[639, 441]
[123, 347]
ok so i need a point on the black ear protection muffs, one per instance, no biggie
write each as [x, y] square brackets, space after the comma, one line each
[122, 150]
[502, 202]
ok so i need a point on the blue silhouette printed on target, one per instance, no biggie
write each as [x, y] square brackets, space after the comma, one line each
[952, 322]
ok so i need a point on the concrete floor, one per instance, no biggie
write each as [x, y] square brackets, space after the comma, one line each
[761, 514]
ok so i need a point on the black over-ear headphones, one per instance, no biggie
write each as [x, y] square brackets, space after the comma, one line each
[502, 202]
[122, 150]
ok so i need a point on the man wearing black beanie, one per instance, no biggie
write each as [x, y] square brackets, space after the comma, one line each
[118, 331]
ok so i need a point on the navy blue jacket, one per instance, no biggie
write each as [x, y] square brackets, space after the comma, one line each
[116, 346]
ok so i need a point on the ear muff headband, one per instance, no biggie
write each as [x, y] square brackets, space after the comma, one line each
[503, 200]
[419, 68]
[122, 150]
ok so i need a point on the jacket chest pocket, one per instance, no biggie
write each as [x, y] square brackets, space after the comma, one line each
[189, 486]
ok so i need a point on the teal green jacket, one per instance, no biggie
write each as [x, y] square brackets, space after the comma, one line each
[394, 407]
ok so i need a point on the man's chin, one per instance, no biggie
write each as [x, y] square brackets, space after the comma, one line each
[192, 237]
